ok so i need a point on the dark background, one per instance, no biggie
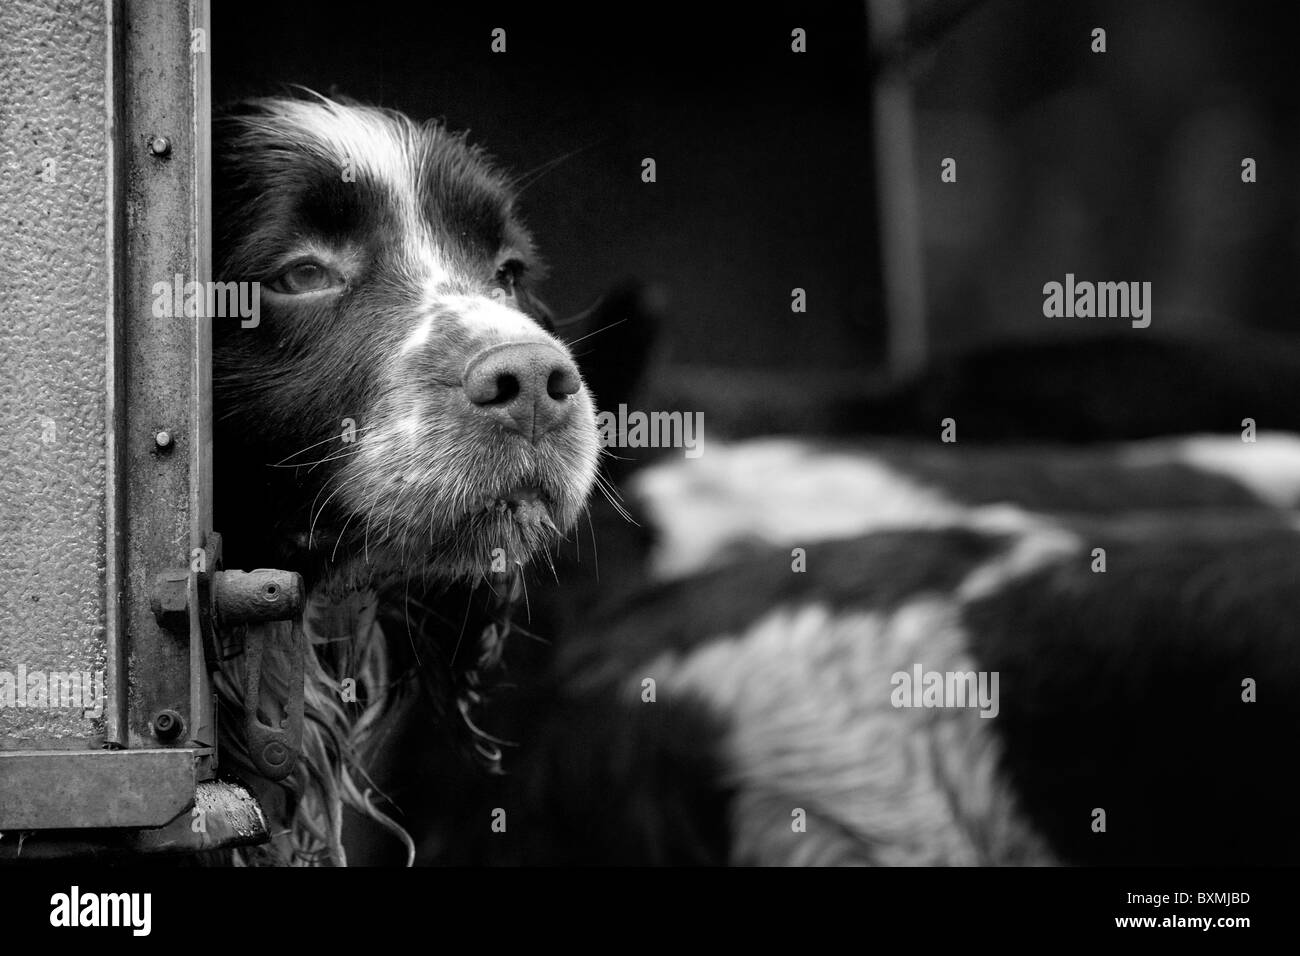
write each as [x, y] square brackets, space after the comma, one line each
[764, 176]
[1123, 166]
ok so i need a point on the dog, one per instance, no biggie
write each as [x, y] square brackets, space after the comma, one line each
[401, 426]
[403, 420]
[884, 653]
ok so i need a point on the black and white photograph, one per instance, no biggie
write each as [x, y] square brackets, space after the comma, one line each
[694, 436]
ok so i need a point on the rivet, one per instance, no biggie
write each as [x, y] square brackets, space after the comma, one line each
[167, 725]
[163, 440]
[160, 146]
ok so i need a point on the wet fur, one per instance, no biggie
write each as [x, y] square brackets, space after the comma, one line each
[395, 531]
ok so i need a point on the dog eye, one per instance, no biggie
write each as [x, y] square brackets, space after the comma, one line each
[303, 277]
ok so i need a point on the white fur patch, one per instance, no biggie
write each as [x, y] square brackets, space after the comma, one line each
[776, 491]
[1268, 467]
[806, 694]
[379, 147]
[787, 492]
[491, 322]
[1037, 543]
[419, 335]
[487, 323]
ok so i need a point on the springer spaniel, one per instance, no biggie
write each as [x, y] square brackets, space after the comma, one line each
[401, 426]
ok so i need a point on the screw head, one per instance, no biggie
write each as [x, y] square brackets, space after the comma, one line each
[160, 146]
[167, 725]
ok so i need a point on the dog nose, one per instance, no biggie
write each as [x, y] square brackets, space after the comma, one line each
[525, 386]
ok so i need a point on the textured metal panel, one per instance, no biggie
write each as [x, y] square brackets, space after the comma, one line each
[55, 291]
[96, 788]
[91, 508]
[230, 815]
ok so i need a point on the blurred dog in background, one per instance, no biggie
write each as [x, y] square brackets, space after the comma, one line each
[891, 652]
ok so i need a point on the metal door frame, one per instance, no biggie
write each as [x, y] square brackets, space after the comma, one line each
[158, 508]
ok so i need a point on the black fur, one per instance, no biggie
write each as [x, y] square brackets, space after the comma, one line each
[1123, 691]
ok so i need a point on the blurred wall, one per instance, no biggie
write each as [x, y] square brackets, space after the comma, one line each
[1123, 165]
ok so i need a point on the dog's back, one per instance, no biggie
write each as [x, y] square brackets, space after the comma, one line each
[983, 683]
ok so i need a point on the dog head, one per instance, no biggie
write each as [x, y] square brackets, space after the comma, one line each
[401, 371]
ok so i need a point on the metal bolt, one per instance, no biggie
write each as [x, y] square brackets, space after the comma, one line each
[163, 440]
[167, 725]
[275, 753]
[170, 601]
[160, 146]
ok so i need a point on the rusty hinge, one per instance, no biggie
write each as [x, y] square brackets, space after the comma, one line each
[228, 600]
